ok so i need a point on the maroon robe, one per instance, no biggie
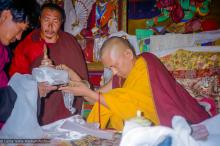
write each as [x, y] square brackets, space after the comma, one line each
[170, 98]
[65, 51]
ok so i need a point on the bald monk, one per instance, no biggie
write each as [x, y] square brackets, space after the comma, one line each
[147, 86]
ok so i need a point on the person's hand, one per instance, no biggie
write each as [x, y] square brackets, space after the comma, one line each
[78, 88]
[72, 74]
[199, 132]
[44, 88]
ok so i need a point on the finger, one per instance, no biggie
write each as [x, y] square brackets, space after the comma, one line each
[41, 83]
[201, 131]
[51, 88]
[64, 66]
[63, 88]
[67, 91]
[45, 83]
[200, 136]
[43, 93]
[58, 67]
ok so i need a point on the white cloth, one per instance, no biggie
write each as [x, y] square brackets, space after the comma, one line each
[180, 134]
[171, 40]
[168, 41]
[23, 122]
[97, 46]
[23, 119]
[213, 126]
[54, 130]
[77, 15]
[71, 18]
[152, 136]
[55, 77]
[40, 2]
[50, 75]
[75, 127]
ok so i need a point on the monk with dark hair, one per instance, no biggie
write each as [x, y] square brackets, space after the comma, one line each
[63, 48]
[13, 21]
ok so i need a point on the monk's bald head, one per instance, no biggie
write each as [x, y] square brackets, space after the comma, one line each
[118, 55]
[116, 45]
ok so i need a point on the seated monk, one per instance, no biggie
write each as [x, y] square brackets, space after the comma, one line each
[147, 86]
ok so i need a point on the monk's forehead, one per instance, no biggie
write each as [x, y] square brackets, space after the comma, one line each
[114, 47]
[112, 51]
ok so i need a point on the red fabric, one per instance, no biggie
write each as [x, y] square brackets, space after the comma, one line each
[25, 53]
[170, 97]
[92, 18]
[88, 51]
[209, 105]
[165, 3]
[95, 80]
[3, 61]
[175, 9]
[208, 25]
[196, 1]
[1, 125]
[193, 26]
[177, 13]
[107, 14]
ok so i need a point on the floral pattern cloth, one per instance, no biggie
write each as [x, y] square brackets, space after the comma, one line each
[197, 72]
[190, 60]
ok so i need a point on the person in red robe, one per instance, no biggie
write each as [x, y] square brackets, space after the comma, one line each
[63, 48]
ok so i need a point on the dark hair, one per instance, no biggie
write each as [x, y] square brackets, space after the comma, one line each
[18, 13]
[55, 7]
[122, 40]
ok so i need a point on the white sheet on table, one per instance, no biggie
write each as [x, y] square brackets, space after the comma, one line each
[74, 128]
[54, 130]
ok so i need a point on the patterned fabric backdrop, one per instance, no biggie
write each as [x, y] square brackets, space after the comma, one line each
[197, 72]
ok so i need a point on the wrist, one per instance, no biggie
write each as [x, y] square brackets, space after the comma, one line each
[93, 95]
[85, 82]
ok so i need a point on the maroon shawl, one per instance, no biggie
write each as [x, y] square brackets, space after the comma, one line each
[65, 51]
[169, 96]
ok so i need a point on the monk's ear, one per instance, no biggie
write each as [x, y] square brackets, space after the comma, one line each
[129, 54]
[5, 14]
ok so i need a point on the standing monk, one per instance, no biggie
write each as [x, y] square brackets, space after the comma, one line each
[63, 49]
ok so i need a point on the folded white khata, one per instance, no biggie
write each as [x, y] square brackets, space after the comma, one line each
[51, 75]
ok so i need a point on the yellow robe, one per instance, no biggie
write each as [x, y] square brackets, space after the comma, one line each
[124, 102]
